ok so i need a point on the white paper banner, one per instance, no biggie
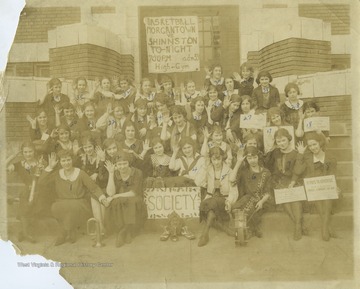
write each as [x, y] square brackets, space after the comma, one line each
[289, 195]
[317, 123]
[321, 188]
[269, 133]
[172, 44]
[257, 121]
[163, 201]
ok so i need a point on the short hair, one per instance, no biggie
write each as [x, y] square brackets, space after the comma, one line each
[166, 78]
[163, 99]
[248, 67]
[88, 138]
[141, 103]
[195, 100]
[217, 152]
[252, 151]
[145, 79]
[282, 132]
[64, 127]
[216, 128]
[108, 142]
[89, 103]
[310, 104]
[125, 78]
[64, 154]
[263, 73]
[40, 110]
[247, 97]
[157, 140]
[68, 105]
[235, 98]
[81, 78]
[290, 86]
[119, 103]
[212, 67]
[27, 144]
[53, 81]
[178, 109]
[273, 111]
[318, 137]
[123, 157]
[212, 87]
[187, 140]
[189, 81]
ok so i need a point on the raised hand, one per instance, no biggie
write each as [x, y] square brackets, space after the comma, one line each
[229, 135]
[100, 153]
[76, 147]
[226, 102]
[142, 132]
[157, 86]
[54, 133]
[203, 92]
[208, 71]
[237, 76]
[206, 133]
[240, 155]
[58, 109]
[52, 161]
[79, 112]
[32, 121]
[300, 147]
[131, 108]
[146, 145]
[227, 206]
[110, 167]
[115, 80]
[301, 114]
[97, 83]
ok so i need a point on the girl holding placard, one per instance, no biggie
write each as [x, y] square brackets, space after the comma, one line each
[315, 162]
[281, 161]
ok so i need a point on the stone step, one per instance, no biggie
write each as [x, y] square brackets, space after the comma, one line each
[345, 203]
[344, 168]
[341, 154]
[340, 141]
[272, 222]
[345, 183]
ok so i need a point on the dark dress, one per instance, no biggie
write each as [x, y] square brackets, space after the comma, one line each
[254, 186]
[267, 99]
[40, 205]
[72, 207]
[126, 210]
[49, 106]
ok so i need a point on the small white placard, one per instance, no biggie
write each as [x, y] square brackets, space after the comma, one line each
[289, 195]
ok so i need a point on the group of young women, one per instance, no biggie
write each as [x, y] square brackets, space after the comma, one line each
[93, 154]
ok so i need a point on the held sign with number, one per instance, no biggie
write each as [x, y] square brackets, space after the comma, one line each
[321, 188]
[256, 121]
[161, 202]
[317, 123]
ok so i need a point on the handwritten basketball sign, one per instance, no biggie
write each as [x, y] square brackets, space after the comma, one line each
[161, 202]
[317, 123]
[269, 133]
[321, 188]
[256, 121]
[289, 195]
[172, 44]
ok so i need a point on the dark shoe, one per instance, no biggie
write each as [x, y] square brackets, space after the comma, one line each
[119, 239]
[258, 233]
[60, 240]
[165, 235]
[72, 237]
[204, 239]
[187, 234]
[297, 233]
[128, 237]
[174, 238]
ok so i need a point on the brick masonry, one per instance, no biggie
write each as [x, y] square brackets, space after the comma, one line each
[293, 56]
[337, 14]
[90, 61]
[35, 23]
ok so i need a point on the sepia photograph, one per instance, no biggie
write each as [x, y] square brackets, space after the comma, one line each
[181, 144]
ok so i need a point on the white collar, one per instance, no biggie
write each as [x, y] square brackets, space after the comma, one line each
[297, 106]
[217, 82]
[70, 178]
[321, 160]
